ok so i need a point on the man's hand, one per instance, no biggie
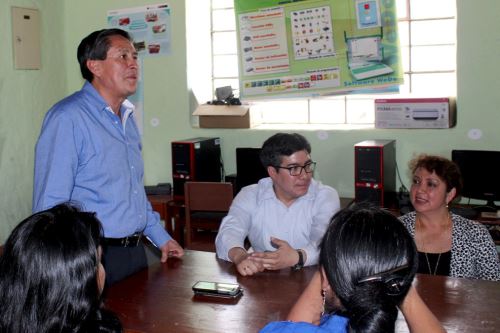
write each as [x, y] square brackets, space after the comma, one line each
[171, 249]
[244, 263]
[284, 256]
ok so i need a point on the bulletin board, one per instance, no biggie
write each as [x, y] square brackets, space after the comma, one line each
[317, 47]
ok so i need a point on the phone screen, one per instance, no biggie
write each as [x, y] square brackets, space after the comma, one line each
[217, 288]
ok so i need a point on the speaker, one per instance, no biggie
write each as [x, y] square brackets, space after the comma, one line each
[375, 172]
[196, 159]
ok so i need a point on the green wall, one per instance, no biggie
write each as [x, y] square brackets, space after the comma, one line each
[25, 96]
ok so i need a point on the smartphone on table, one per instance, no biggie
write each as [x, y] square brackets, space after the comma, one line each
[217, 289]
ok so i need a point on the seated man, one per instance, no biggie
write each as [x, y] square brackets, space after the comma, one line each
[284, 216]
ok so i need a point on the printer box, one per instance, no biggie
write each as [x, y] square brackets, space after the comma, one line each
[415, 113]
[224, 116]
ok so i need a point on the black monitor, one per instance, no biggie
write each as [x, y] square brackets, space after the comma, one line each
[249, 170]
[480, 174]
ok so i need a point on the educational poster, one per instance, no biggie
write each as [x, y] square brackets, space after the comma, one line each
[317, 47]
[312, 33]
[263, 41]
[150, 27]
[367, 14]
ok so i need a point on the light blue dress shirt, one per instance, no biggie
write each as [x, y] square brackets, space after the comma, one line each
[258, 214]
[87, 155]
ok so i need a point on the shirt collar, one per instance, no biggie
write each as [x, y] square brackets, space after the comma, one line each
[127, 108]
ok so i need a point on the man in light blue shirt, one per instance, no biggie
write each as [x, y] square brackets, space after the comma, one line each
[89, 152]
[284, 216]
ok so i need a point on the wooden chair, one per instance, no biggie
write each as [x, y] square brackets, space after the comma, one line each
[206, 204]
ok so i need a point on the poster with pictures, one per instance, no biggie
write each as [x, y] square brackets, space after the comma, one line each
[263, 41]
[312, 33]
[317, 47]
[150, 28]
[367, 14]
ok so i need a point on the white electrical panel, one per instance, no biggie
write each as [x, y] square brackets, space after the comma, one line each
[26, 38]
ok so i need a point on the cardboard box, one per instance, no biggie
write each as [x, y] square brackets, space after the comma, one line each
[224, 116]
[415, 113]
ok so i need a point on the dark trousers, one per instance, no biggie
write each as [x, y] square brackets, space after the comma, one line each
[120, 262]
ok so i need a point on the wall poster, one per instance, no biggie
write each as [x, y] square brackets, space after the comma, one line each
[317, 47]
[150, 27]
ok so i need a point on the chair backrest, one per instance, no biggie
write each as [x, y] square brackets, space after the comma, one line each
[208, 196]
[206, 203]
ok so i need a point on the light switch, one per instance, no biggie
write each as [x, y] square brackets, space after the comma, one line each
[26, 38]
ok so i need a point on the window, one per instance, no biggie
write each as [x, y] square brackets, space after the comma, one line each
[427, 33]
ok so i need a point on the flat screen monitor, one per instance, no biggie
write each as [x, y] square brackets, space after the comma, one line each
[249, 170]
[480, 174]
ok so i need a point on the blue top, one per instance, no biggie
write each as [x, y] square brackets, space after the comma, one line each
[87, 155]
[329, 324]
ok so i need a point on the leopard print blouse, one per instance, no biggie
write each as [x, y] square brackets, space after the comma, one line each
[473, 252]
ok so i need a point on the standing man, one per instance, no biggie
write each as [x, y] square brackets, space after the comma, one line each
[284, 216]
[89, 152]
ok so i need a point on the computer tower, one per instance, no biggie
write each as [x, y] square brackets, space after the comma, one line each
[196, 159]
[375, 172]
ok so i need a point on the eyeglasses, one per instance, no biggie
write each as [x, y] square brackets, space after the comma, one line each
[297, 170]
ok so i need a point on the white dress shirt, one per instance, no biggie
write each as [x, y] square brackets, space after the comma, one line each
[258, 214]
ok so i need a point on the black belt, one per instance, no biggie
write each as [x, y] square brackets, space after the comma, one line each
[129, 241]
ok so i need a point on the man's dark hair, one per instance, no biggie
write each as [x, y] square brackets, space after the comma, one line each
[95, 47]
[282, 144]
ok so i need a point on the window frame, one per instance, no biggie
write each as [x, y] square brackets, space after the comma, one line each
[352, 107]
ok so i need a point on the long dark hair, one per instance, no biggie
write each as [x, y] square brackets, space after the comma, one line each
[48, 275]
[370, 261]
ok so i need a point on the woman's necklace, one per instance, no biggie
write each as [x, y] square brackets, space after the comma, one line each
[422, 241]
[429, 264]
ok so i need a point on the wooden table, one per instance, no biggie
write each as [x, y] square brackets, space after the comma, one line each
[160, 299]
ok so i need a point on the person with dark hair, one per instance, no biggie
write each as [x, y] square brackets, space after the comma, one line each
[448, 244]
[283, 216]
[367, 264]
[51, 277]
[89, 151]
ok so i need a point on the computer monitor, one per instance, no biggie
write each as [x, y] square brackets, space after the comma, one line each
[249, 170]
[480, 174]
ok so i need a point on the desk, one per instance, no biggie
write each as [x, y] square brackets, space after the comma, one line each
[159, 299]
